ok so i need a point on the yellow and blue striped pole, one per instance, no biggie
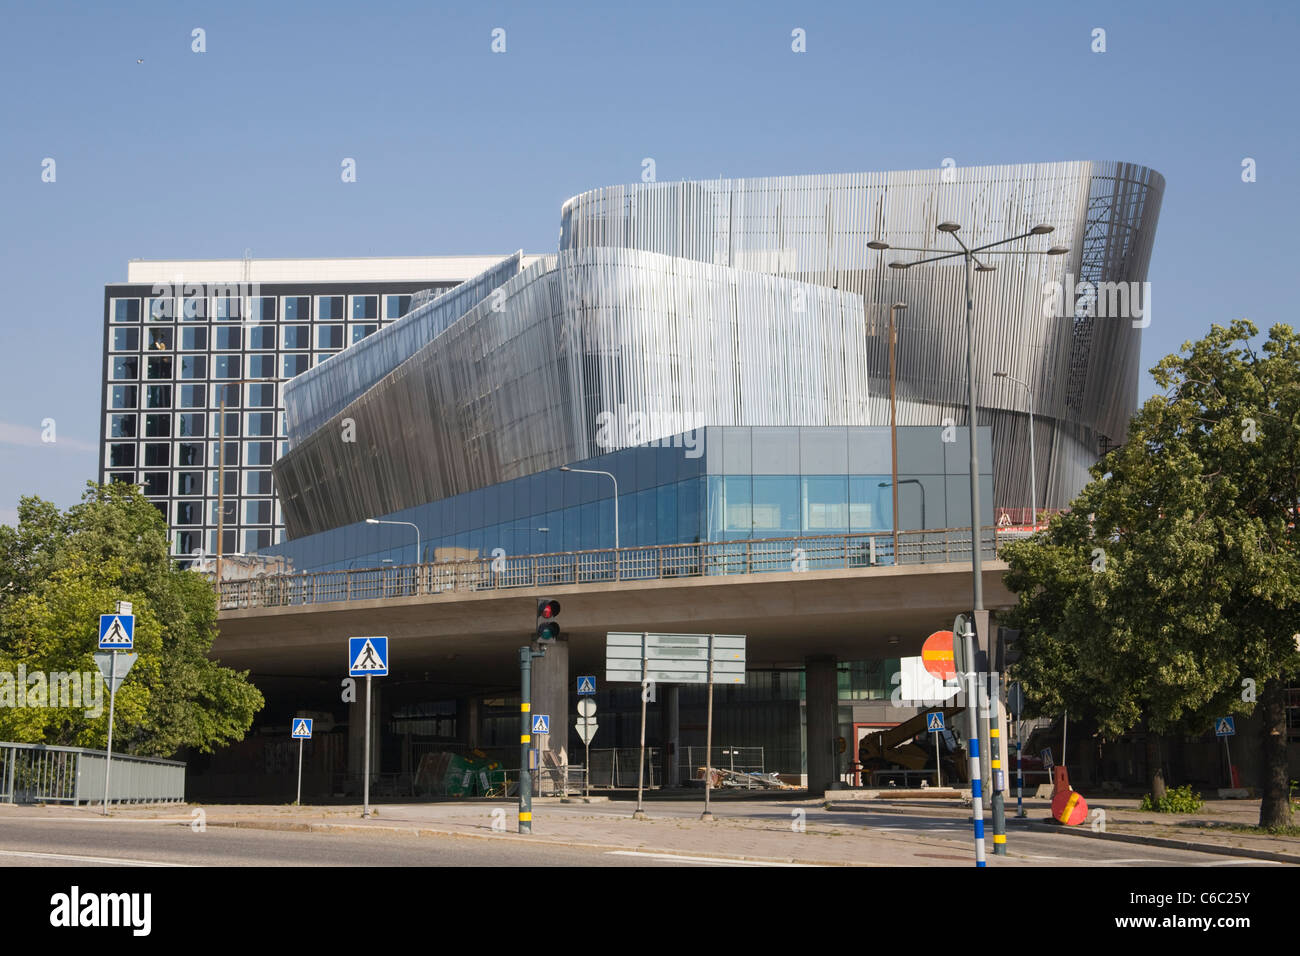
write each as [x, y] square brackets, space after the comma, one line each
[995, 762]
[967, 632]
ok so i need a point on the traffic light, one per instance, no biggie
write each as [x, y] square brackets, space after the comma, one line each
[548, 628]
[1008, 648]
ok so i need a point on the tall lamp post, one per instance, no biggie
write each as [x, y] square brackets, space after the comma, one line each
[409, 524]
[1033, 473]
[971, 258]
[893, 423]
[610, 476]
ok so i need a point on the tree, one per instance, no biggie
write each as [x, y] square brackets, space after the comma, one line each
[1170, 592]
[58, 572]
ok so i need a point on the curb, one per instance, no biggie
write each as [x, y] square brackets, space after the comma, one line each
[1169, 843]
[431, 831]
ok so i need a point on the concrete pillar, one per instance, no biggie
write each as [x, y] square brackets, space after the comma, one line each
[551, 688]
[467, 722]
[671, 734]
[822, 687]
[357, 729]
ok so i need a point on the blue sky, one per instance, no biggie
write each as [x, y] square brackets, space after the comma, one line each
[460, 150]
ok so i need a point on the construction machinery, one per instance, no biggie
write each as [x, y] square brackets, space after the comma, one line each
[895, 749]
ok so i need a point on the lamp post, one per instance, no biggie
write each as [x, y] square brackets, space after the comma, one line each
[1033, 472]
[893, 426]
[970, 257]
[610, 476]
[409, 524]
[221, 469]
[907, 481]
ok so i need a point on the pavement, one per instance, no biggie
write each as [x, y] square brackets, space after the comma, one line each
[787, 831]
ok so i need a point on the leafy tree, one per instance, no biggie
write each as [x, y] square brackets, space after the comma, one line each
[1170, 592]
[58, 572]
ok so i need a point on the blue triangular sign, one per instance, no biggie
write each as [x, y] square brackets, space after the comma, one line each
[586, 685]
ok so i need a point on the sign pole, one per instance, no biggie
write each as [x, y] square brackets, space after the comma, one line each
[972, 729]
[298, 802]
[112, 699]
[639, 814]
[938, 769]
[525, 739]
[1228, 753]
[995, 758]
[365, 783]
[586, 771]
[1020, 777]
[707, 815]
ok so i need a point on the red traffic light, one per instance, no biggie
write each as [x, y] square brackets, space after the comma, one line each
[548, 629]
[548, 609]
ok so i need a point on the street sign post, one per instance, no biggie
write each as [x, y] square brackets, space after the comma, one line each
[964, 660]
[367, 657]
[1016, 707]
[300, 730]
[675, 659]
[120, 631]
[934, 724]
[586, 725]
[1226, 727]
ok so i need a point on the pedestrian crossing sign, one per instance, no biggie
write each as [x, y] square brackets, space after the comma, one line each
[301, 728]
[1225, 727]
[368, 656]
[586, 685]
[116, 632]
[934, 721]
[541, 723]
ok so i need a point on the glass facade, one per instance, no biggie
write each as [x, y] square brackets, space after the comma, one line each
[715, 484]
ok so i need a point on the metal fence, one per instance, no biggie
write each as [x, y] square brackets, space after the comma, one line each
[40, 773]
[660, 562]
[616, 768]
[739, 760]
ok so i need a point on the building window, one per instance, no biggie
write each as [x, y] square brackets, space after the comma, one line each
[157, 426]
[261, 396]
[329, 336]
[261, 425]
[365, 307]
[194, 310]
[329, 308]
[297, 336]
[359, 332]
[257, 483]
[261, 308]
[227, 429]
[155, 483]
[158, 396]
[261, 366]
[126, 310]
[161, 340]
[261, 337]
[157, 455]
[194, 366]
[128, 366]
[160, 367]
[295, 365]
[189, 512]
[259, 453]
[396, 306]
[194, 340]
[227, 456]
[228, 395]
[189, 482]
[122, 396]
[227, 338]
[187, 542]
[162, 309]
[825, 505]
[227, 309]
[229, 511]
[189, 454]
[190, 424]
[231, 481]
[194, 396]
[121, 456]
[297, 308]
[257, 512]
[225, 366]
[121, 426]
[122, 477]
[255, 540]
[126, 340]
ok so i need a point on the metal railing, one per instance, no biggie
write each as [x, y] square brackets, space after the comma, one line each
[658, 562]
[741, 760]
[40, 773]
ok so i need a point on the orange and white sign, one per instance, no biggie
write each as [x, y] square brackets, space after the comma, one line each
[936, 655]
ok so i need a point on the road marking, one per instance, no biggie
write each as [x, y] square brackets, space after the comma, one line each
[112, 861]
[1245, 861]
[703, 860]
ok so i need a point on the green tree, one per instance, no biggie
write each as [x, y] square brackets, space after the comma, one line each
[59, 571]
[1170, 592]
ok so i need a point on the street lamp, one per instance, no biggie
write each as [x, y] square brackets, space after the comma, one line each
[893, 424]
[907, 481]
[409, 524]
[1033, 473]
[221, 468]
[973, 262]
[589, 471]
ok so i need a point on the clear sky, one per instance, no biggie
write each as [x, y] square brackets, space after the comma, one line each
[460, 150]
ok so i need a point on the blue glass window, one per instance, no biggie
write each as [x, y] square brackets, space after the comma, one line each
[261, 337]
[126, 340]
[297, 308]
[825, 505]
[776, 505]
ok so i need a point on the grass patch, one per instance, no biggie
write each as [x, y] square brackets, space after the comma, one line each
[1290, 830]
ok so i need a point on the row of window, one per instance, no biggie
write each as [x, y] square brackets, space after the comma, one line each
[194, 543]
[157, 485]
[233, 338]
[266, 308]
[256, 395]
[190, 454]
[196, 425]
[255, 511]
